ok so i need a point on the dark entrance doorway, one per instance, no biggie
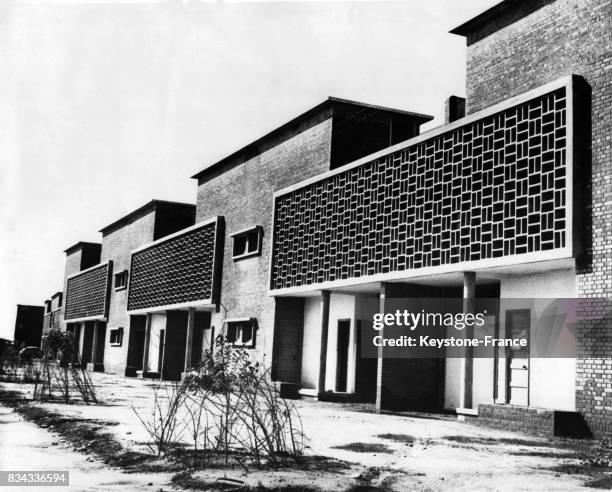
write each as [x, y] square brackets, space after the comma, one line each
[136, 347]
[342, 354]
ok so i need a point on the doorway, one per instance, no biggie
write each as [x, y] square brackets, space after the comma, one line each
[136, 344]
[342, 354]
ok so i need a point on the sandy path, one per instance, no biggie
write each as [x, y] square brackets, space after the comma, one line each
[24, 446]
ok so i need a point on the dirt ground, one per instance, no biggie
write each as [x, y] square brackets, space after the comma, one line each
[348, 449]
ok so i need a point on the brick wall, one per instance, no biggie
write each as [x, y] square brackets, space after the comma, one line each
[242, 193]
[561, 38]
[517, 418]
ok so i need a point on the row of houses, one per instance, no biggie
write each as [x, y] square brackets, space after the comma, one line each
[297, 239]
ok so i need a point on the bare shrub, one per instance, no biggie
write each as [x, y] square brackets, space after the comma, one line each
[164, 426]
[12, 369]
[59, 375]
[230, 410]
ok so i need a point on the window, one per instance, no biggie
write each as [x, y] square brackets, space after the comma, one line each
[247, 242]
[121, 279]
[241, 332]
[116, 337]
[47, 307]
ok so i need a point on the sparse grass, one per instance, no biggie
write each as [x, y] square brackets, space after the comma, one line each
[187, 481]
[401, 438]
[364, 447]
[493, 441]
[600, 483]
[545, 454]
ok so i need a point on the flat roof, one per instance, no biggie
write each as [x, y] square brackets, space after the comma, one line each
[319, 109]
[153, 204]
[80, 244]
[490, 18]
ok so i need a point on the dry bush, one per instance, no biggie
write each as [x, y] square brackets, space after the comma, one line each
[60, 375]
[231, 412]
[164, 425]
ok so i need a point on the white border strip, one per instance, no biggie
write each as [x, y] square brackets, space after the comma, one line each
[205, 303]
[554, 254]
[88, 318]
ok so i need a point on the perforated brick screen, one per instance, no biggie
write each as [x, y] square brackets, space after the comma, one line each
[86, 293]
[174, 271]
[492, 188]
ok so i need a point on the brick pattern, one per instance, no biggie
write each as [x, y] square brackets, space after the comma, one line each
[174, 271]
[493, 188]
[517, 418]
[86, 294]
[564, 37]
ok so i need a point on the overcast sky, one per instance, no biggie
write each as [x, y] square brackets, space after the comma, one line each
[106, 105]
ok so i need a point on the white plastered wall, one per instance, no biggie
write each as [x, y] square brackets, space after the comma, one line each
[158, 323]
[552, 381]
[311, 342]
[341, 307]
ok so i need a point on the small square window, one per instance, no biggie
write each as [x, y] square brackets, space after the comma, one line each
[241, 333]
[121, 279]
[247, 243]
[116, 337]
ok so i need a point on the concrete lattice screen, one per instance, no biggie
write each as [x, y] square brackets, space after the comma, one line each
[87, 293]
[176, 270]
[491, 188]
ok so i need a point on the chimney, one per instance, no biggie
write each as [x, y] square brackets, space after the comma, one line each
[454, 109]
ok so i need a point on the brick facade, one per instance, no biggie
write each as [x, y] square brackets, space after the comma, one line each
[560, 38]
[242, 194]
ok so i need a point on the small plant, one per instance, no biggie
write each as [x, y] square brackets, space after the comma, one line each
[164, 426]
[230, 410]
[59, 374]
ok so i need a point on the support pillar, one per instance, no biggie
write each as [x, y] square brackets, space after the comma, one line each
[147, 339]
[189, 338]
[467, 362]
[379, 360]
[94, 343]
[324, 334]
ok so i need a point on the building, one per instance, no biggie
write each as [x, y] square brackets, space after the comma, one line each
[53, 317]
[298, 239]
[97, 276]
[28, 325]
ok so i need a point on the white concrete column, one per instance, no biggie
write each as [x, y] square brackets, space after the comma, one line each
[147, 340]
[467, 362]
[82, 327]
[379, 360]
[189, 338]
[324, 317]
[94, 342]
